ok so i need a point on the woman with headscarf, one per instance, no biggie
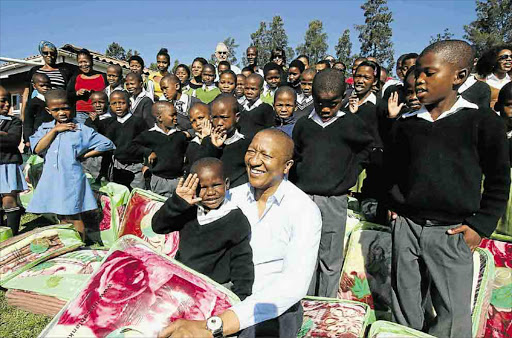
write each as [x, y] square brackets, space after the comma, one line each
[59, 74]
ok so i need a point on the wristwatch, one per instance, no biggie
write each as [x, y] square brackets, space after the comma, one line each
[214, 325]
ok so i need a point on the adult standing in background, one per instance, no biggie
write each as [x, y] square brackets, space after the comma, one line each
[222, 54]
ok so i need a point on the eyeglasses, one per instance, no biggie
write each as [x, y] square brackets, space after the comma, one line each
[49, 53]
[505, 57]
[222, 53]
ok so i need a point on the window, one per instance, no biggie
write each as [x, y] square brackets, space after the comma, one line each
[16, 104]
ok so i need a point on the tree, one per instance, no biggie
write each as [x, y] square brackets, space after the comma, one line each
[493, 25]
[176, 64]
[116, 51]
[315, 42]
[153, 66]
[375, 34]
[447, 35]
[344, 48]
[129, 54]
[232, 46]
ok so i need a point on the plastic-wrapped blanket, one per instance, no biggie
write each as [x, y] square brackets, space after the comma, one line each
[20, 253]
[59, 277]
[34, 302]
[383, 329]
[328, 317]
[137, 222]
[141, 290]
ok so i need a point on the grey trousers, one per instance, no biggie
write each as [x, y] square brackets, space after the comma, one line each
[92, 165]
[129, 175]
[163, 186]
[429, 264]
[326, 278]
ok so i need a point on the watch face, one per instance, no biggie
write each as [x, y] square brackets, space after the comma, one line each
[214, 323]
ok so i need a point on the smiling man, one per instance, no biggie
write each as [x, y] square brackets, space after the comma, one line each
[285, 235]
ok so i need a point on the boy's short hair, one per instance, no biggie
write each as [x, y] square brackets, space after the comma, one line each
[409, 72]
[225, 63]
[202, 104]
[324, 62]
[138, 59]
[227, 99]
[209, 65]
[303, 56]
[400, 60]
[230, 72]
[248, 69]
[456, 52]
[181, 65]
[271, 66]
[117, 67]
[240, 75]
[136, 76]
[329, 80]
[208, 162]
[56, 94]
[288, 90]
[308, 71]
[101, 93]
[409, 56]
[258, 77]
[340, 63]
[37, 77]
[361, 58]
[122, 92]
[297, 64]
[159, 106]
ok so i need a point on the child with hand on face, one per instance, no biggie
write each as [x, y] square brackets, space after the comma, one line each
[12, 180]
[214, 233]
[35, 113]
[63, 188]
[200, 120]
[163, 148]
[209, 91]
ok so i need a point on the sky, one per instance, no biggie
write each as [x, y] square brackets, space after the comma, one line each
[193, 28]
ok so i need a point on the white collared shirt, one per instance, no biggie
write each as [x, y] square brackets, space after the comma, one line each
[471, 80]
[109, 91]
[209, 88]
[134, 102]
[391, 82]
[158, 129]
[215, 214]
[196, 139]
[267, 90]
[256, 104]
[303, 99]
[124, 118]
[284, 241]
[460, 104]
[40, 97]
[235, 137]
[104, 116]
[314, 116]
[241, 100]
[493, 81]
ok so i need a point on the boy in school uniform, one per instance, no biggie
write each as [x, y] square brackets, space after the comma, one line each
[225, 141]
[273, 75]
[163, 148]
[171, 87]
[256, 115]
[35, 113]
[114, 79]
[214, 232]
[441, 213]
[200, 120]
[294, 72]
[285, 105]
[127, 166]
[305, 98]
[209, 91]
[331, 147]
[239, 90]
[140, 101]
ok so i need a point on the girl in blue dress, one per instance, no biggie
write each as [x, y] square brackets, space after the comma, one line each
[12, 180]
[63, 188]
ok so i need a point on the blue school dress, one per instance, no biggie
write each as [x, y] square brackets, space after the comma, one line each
[12, 179]
[63, 188]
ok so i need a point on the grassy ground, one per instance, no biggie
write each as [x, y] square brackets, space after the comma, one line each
[17, 323]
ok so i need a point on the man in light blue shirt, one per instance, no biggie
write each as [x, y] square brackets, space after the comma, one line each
[286, 226]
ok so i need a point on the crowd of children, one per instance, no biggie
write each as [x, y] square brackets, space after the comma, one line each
[427, 140]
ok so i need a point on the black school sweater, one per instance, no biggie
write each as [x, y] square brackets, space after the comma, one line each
[123, 134]
[328, 160]
[143, 110]
[9, 152]
[231, 155]
[220, 249]
[437, 169]
[479, 93]
[103, 126]
[259, 118]
[35, 115]
[169, 149]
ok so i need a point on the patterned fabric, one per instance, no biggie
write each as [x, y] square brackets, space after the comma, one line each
[327, 317]
[383, 329]
[137, 221]
[20, 253]
[483, 274]
[34, 303]
[139, 288]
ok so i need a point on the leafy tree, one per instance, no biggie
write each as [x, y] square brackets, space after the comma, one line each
[232, 46]
[116, 51]
[129, 54]
[153, 66]
[315, 42]
[375, 34]
[447, 35]
[344, 48]
[493, 25]
[176, 64]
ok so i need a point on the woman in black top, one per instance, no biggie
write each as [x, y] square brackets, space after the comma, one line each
[59, 74]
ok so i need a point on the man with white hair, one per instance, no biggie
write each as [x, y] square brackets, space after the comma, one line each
[222, 54]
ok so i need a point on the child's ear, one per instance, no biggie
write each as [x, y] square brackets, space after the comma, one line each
[47, 110]
[227, 183]
[288, 166]
[461, 76]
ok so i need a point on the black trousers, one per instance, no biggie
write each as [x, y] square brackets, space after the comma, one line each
[286, 325]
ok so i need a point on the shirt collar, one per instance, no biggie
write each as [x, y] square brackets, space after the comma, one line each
[124, 118]
[302, 99]
[276, 198]
[471, 80]
[242, 100]
[267, 90]
[158, 129]
[493, 81]
[314, 116]
[248, 106]
[370, 98]
[209, 88]
[235, 137]
[196, 139]
[460, 104]
[184, 98]
[40, 97]
[105, 116]
[215, 214]
[5, 117]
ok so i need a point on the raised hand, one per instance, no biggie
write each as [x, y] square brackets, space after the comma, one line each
[353, 103]
[206, 130]
[187, 189]
[218, 136]
[393, 107]
[59, 128]
[93, 115]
